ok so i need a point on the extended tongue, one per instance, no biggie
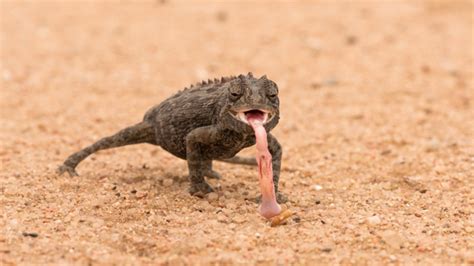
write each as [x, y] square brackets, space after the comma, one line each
[269, 206]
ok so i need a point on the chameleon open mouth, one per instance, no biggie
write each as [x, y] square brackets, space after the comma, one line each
[259, 115]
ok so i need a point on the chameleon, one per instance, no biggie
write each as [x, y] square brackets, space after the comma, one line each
[207, 121]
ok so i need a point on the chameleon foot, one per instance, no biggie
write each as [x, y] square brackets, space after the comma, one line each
[200, 189]
[65, 168]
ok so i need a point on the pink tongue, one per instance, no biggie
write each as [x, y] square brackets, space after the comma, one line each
[269, 206]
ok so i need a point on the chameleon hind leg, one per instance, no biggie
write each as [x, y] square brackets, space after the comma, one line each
[209, 172]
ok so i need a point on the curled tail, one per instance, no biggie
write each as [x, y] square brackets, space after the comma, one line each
[142, 132]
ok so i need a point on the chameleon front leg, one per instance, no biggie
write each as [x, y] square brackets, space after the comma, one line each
[276, 151]
[201, 144]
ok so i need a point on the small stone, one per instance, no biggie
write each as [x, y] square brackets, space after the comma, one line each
[392, 258]
[374, 220]
[141, 195]
[315, 85]
[222, 202]
[221, 217]
[326, 249]
[393, 239]
[34, 235]
[351, 40]
[168, 182]
[212, 196]
[227, 194]
[416, 183]
[317, 187]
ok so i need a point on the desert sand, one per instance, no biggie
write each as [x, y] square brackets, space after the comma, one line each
[377, 111]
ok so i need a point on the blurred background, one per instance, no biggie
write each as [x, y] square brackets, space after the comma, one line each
[377, 121]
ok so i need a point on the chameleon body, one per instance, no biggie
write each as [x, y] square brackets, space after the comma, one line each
[205, 122]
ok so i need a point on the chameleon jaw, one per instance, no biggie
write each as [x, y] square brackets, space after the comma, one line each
[263, 116]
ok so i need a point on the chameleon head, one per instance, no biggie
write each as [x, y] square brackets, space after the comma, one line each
[251, 98]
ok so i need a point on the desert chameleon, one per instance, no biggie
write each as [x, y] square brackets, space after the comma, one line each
[202, 123]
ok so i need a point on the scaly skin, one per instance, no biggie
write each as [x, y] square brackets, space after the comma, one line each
[200, 124]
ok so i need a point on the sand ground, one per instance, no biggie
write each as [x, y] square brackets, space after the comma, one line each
[377, 106]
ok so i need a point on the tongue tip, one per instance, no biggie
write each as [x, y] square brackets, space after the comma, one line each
[269, 210]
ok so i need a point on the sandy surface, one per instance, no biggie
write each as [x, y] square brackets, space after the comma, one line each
[377, 127]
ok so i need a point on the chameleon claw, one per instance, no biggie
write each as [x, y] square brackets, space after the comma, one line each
[200, 189]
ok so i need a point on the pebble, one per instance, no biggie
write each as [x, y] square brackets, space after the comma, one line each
[317, 187]
[393, 239]
[326, 249]
[212, 196]
[34, 235]
[141, 194]
[168, 182]
[416, 183]
[373, 220]
[221, 217]
[351, 40]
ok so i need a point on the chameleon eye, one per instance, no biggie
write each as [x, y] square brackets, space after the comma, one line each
[272, 93]
[235, 92]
